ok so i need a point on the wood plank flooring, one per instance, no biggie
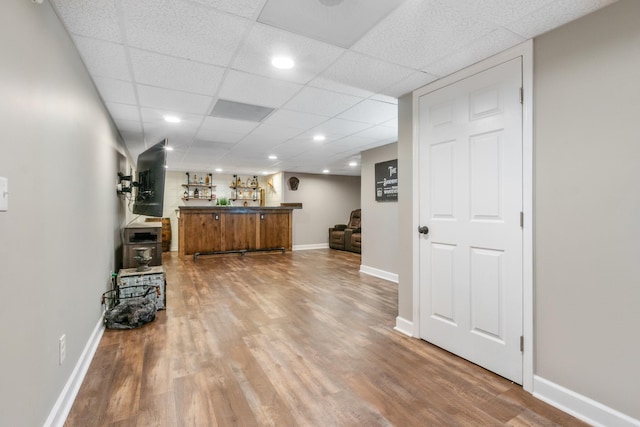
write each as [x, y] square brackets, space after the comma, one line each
[295, 339]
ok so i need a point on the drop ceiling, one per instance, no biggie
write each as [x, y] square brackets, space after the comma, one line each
[353, 59]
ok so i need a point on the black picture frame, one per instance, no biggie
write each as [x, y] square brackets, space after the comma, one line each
[386, 174]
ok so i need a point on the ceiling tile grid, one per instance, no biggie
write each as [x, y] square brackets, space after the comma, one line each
[258, 90]
[104, 58]
[98, 20]
[183, 29]
[353, 59]
[264, 42]
[175, 73]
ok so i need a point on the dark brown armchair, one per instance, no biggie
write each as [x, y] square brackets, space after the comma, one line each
[346, 237]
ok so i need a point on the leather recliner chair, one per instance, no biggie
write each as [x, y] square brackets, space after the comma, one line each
[347, 237]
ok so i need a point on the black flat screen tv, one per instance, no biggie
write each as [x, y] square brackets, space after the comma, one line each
[151, 170]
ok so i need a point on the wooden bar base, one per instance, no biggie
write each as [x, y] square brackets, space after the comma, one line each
[222, 230]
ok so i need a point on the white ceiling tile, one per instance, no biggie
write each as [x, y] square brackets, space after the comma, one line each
[255, 144]
[333, 24]
[294, 119]
[225, 130]
[103, 59]
[228, 125]
[133, 126]
[220, 136]
[268, 131]
[174, 101]
[310, 56]
[152, 115]
[411, 83]
[293, 147]
[113, 90]
[244, 8]
[486, 46]
[257, 90]
[370, 111]
[553, 15]
[175, 73]
[354, 141]
[182, 135]
[364, 72]
[499, 12]
[97, 19]
[386, 98]
[393, 123]
[322, 102]
[420, 32]
[379, 133]
[123, 111]
[334, 86]
[335, 128]
[183, 29]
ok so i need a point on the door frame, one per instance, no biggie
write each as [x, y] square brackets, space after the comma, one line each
[525, 52]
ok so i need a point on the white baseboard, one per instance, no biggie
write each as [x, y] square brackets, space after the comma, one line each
[62, 407]
[404, 326]
[582, 407]
[309, 247]
[392, 277]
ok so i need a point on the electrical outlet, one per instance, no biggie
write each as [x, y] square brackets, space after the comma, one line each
[62, 347]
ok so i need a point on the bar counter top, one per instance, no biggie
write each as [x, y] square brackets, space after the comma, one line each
[237, 209]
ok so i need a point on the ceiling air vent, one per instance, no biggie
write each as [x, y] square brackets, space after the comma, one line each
[239, 111]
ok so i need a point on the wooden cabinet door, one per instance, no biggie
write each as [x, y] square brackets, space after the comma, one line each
[274, 230]
[239, 231]
[203, 231]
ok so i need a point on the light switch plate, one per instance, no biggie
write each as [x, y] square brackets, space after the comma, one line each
[4, 194]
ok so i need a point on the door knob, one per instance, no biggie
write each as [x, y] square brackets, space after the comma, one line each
[423, 230]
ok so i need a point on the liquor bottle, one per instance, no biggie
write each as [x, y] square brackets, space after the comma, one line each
[196, 194]
[186, 194]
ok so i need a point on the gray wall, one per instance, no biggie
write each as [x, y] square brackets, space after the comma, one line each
[326, 200]
[380, 234]
[406, 235]
[587, 206]
[59, 238]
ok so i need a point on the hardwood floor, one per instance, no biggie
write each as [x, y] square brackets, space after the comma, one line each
[295, 339]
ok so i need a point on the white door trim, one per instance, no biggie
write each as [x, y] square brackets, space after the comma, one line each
[525, 51]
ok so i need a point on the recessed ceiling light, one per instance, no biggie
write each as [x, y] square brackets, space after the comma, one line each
[265, 173]
[325, 171]
[273, 157]
[166, 147]
[172, 119]
[282, 62]
[218, 170]
[353, 163]
[319, 138]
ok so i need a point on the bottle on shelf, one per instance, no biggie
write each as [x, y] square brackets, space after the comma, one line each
[196, 194]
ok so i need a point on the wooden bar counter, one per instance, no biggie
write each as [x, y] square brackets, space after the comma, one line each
[219, 229]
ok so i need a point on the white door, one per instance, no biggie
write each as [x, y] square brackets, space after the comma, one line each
[471, 201]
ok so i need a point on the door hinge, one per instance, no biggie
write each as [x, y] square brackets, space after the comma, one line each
[521, 343]
[521, 219]
[521, 96]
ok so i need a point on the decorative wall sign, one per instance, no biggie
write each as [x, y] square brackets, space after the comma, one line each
[387, 181]
[293, 183]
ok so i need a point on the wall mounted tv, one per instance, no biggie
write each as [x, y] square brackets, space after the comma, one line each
[150, 183]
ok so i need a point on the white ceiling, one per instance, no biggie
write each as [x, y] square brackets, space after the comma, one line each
[150, 58]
